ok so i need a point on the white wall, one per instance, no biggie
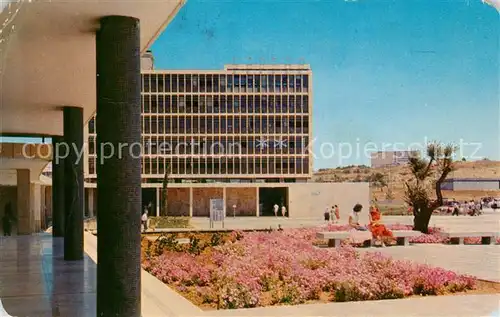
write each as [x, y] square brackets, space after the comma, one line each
[310, 200]
[479, 185]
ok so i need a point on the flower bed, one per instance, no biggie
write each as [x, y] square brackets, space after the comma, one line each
[434, 235]
[258, 269]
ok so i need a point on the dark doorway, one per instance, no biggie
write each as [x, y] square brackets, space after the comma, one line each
[268, 196]
[149, 199]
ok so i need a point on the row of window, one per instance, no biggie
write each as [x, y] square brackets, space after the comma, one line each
[220, 166]
[219, 145]
[154, 124]
[224, 104]
[224, 83]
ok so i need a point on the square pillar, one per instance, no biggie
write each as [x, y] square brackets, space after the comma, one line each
[35, 202]
[118, 126]
[157, 202]
[24, 214]
[57, 187]
[224, 200]
[74, 195]
[257, 212]
[43, 224]
[90, 203]
[191, 202]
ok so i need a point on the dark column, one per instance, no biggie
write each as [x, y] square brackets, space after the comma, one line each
[118, 126]
[73, 184]
[57, 188]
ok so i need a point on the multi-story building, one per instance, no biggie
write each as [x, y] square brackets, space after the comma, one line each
[391, 158]
[246, 123]
[240, 134]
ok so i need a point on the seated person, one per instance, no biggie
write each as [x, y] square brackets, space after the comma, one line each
[354, 218]
[379, 231]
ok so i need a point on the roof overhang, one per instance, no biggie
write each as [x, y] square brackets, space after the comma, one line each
[48, 57]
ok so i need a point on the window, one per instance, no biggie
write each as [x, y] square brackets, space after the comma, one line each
[92, 169]
[161, 83]
[147, 104]
[196, 83]
[168, 82]
[92, 145]
[92, 125]
[146, 87]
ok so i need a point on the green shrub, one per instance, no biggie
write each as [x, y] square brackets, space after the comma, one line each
[169, 222]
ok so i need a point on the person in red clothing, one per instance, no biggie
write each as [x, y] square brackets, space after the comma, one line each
[378, 230]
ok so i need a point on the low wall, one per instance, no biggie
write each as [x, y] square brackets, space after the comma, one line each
[311, 199]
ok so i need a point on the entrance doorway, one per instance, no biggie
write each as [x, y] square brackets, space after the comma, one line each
[149, 197]
[269, 196]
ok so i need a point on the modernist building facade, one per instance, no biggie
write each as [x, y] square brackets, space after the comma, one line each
[245, 123]
[241, 124]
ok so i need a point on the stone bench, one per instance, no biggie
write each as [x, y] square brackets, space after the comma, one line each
[335, 237]
[403, 236]
[458, 237]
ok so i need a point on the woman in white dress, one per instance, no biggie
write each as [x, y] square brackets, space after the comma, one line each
[359, 233]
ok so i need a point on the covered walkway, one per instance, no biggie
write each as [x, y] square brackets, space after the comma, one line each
[36, 281]
[65, 62]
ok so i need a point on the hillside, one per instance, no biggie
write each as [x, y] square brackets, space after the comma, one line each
[396, 175]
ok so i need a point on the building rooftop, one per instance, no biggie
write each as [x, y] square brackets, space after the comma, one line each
[267, 67]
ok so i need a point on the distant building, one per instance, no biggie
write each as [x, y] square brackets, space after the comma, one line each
[471, 184]
[391, 158]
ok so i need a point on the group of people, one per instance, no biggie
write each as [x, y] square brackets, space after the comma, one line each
[378, 230]
[332, 214]
[471, 208]
[276, 208]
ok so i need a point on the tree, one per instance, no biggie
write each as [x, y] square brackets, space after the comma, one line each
[389, 195]
[164, 191]
[427, 173]
[378, 180]
[444, 164]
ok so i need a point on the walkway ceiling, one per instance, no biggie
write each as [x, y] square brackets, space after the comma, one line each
[48, 57]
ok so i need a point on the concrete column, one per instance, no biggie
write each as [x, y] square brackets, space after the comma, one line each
[35, 203]
[190, 201]
[224, 200]
[157, 202]
[24, 214]
[43, 225]
[57, 188]
[74, 195]
[90, 203]
[118, 124]
[257, 202]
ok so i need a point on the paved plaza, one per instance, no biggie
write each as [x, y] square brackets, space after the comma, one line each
[36, 281]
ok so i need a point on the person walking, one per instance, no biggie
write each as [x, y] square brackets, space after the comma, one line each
[455, 211]
[337, 214]
[275, 209]
[327, 214]
[283, 211]
[144, 219]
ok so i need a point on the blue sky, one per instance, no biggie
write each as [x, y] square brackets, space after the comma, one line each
[386, 71]
[383, 71]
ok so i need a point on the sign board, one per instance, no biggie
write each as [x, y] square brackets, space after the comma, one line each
[216, 211]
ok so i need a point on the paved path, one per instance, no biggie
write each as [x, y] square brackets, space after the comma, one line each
[482, 261]
[36, 281]
[453, 306]
[489, 221]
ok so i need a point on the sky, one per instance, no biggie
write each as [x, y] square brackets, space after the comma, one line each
[386, 74]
